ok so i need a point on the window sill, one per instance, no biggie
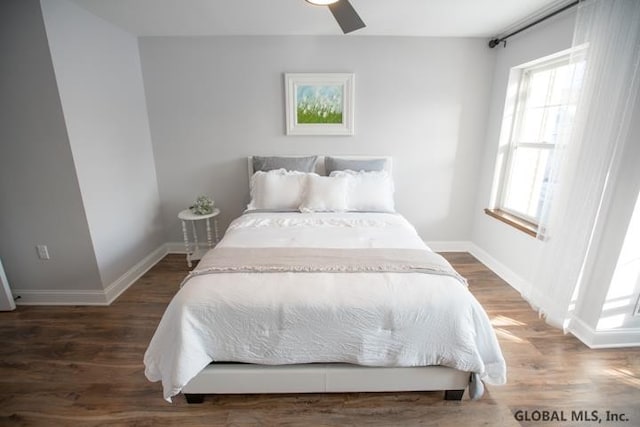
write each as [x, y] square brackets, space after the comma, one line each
[518, 223]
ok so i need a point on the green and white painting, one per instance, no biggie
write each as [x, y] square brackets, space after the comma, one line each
[319, 104]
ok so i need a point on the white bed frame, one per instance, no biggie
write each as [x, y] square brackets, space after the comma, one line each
[240, 378]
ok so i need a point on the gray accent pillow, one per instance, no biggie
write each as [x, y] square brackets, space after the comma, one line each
[369, 165]
[300, 164]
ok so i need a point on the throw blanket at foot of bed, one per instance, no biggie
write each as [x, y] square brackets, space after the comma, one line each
[323, 260]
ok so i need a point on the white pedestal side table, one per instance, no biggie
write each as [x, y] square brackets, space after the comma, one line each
[197, 252]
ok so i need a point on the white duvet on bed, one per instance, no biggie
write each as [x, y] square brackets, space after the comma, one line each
[374, 319]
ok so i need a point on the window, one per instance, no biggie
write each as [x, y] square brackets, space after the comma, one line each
[542, 112]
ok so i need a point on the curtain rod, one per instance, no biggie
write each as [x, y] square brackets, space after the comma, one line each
[495, 42]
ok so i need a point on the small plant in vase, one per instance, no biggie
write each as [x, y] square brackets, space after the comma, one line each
[202, 206]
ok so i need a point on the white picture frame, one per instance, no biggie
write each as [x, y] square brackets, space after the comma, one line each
[319, 103]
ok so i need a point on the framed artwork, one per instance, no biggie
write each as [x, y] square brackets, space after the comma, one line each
[319, 104]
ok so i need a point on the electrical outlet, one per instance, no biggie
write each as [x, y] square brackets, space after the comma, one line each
[43, 252]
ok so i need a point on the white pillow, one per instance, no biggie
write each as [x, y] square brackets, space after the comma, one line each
[368, 191]
[277, 190]
[325, 194]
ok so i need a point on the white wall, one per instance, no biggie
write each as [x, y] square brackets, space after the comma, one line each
[215, 100]
[511, 252]
[40, 201]
[97, 67]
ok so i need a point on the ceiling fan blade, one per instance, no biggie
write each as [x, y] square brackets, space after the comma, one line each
[346, 15]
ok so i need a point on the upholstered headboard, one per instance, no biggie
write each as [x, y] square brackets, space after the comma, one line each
[319, 166]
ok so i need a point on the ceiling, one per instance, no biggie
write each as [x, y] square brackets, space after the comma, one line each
[432, 18]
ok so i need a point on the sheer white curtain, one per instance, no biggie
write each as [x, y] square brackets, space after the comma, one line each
[608, 31]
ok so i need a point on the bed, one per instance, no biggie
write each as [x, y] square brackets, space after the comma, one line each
[320, 297]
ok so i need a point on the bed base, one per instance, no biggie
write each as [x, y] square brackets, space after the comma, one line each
[234, 378]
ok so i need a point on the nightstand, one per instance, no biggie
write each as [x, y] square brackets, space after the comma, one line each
[197, 252]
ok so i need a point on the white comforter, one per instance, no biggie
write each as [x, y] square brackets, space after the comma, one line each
[374, 319]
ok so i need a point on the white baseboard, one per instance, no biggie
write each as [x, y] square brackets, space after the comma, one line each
[115, 289]
[97, 297]
[628, 337]
[449, 246]
[59, 297]
[505, 273]
[613, 338]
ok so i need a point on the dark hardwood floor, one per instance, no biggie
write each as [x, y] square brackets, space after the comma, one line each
[83, 366]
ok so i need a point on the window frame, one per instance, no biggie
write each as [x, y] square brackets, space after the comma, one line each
[523, 74]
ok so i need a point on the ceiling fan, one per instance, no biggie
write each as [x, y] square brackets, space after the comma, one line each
[343, 12]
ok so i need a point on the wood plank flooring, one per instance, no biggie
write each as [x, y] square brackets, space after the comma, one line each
[83, 366]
